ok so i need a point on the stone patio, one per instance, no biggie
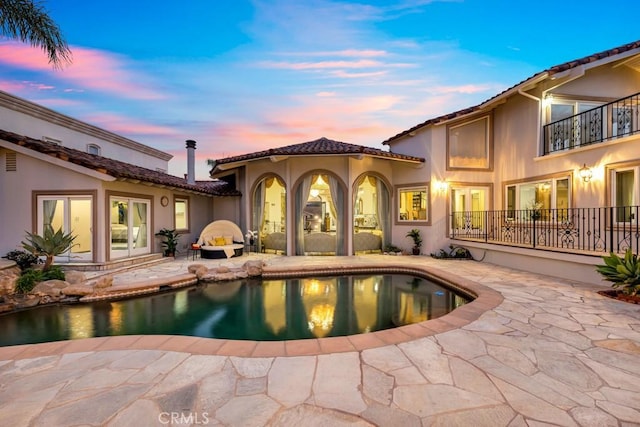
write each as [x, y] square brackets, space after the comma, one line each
[530, 351]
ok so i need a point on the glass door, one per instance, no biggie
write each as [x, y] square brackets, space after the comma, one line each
[72, 214]
[128, 229]
[468, 205]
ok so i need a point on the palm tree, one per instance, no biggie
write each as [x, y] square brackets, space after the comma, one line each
[49, 245]
[28, 21]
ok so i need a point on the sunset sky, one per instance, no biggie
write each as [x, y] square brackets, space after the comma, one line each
[240, 76]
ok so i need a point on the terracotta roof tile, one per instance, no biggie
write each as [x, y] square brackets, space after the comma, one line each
[322, 146]
[116, 168]
[550, 71]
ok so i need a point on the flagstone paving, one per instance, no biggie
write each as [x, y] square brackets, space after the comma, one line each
[534, 351]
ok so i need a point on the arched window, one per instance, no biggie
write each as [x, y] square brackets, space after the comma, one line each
[371, 215]
[269, 214]
[319, 213]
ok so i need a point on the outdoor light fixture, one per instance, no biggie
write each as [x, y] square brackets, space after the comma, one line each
[585, 173]
[441, 186]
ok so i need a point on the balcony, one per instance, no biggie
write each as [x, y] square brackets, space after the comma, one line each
[616, 119]
[590, 231]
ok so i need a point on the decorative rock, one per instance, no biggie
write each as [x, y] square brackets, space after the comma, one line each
[8, 278]
[74, 277]
[202, 272]
[193, 268]
[49, 288]
[27, 301]
[78, 290]
[223, 269]
[224, 276]
[104, 282]
[241, 274]
[253, 268]
[6, 307]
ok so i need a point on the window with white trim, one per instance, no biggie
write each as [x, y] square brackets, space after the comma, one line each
[181, 213]
[539, 196]
[93, 149]
[413, 204]
[624, 192]
[469, 145]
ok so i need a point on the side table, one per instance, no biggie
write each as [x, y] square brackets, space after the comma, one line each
[194, 252]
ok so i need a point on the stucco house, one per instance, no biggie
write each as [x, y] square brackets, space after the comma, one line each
[543, 176]
[113, 193]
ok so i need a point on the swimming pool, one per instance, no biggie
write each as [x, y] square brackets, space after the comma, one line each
[260, 310]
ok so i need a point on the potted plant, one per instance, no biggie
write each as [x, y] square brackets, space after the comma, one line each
[170, 242]
[417, 240]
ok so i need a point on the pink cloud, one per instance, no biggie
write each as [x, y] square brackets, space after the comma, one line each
[363, 63]
[90, 68]
[364, 53]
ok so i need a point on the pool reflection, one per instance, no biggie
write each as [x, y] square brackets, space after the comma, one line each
[263, 310]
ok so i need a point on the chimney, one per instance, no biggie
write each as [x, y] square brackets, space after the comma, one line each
[191, 161]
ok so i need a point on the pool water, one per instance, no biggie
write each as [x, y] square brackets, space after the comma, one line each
[261, 310]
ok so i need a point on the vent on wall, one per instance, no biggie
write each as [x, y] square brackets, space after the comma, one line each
[11, 162]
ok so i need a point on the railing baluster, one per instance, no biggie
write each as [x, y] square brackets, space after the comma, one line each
[595, 230]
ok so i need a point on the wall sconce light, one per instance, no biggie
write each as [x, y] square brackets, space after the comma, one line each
[585, 173]
[441, 186]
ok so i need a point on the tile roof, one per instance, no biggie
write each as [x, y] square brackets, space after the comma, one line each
[322, 146]
[548, 72]
[116, 168]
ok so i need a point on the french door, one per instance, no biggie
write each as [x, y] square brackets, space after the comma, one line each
[128, 228]
[468, 203]
[72, 214]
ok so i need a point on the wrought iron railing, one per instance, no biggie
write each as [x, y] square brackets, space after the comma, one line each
[594, 230]
[609, 121]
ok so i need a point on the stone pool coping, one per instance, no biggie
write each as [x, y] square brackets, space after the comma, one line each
[485, 299]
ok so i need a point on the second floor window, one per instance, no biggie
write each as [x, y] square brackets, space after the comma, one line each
[469, 145]
[93, 149]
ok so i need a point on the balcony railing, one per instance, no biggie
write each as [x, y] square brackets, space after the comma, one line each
[609, 121]
[575, 230]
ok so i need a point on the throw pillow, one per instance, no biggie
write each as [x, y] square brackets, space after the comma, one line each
[228, 240]
[220, 241]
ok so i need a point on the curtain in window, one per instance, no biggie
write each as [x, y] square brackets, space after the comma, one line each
[337, 208]
[48, 211]
[302, 195]
[258, 210]
[384, 216]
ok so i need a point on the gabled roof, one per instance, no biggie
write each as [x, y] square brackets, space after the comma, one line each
[319, 147]
[117, 169]
[556, 69]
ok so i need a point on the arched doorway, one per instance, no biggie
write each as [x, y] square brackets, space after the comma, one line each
[319, 213]
[371, 214]
[269, 214]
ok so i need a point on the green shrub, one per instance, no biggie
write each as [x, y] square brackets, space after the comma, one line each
[392, 248]
[623, 272]
[53, 273]
[456, 252]
[31, 277]
[27, 281]
[24, 260]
